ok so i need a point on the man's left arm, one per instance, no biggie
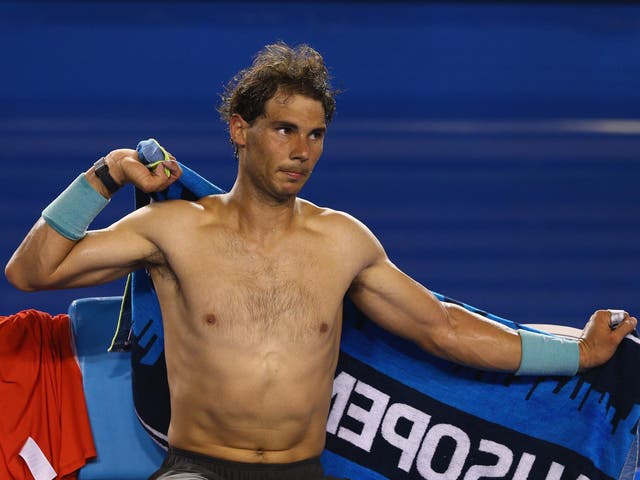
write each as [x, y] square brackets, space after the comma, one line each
[406, 308]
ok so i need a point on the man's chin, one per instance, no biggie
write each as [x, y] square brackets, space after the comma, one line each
[292, 189]
[285, 194]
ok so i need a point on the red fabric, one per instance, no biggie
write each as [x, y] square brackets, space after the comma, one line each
[41, 395]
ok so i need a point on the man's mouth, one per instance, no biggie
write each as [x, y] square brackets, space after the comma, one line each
[293, 174]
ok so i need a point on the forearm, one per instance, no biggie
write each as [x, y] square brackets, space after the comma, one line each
[479, 342]
[37, 258]
[523, 352]
[48, 260]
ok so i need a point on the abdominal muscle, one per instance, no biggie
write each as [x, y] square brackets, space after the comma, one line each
[260, 397]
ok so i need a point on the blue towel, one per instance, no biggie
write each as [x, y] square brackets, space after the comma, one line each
[139, 327]
[400, 413]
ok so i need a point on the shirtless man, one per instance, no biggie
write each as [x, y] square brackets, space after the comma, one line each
[251, 284]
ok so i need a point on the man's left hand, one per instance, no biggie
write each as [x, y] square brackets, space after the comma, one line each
[599, 340]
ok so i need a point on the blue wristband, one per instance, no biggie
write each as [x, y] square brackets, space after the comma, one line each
[75, 208]
[548, 355]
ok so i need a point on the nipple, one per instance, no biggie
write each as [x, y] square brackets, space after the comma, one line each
[210, 319]
[324, 327]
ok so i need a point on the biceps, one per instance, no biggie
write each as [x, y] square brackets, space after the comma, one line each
[396, 302]
[102, 256]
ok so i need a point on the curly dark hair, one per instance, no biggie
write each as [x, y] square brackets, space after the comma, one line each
[293, 70]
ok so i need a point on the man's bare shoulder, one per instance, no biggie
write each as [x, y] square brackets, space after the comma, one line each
[340, 224]
[313, 212]
[178, 207]
[169, 215]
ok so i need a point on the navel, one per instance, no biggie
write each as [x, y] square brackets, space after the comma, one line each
[210, 319]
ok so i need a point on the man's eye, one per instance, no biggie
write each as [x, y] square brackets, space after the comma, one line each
[284, 130]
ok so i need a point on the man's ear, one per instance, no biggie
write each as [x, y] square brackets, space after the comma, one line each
[238, 130]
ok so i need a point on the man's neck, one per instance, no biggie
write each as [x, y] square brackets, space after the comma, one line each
[261, 215]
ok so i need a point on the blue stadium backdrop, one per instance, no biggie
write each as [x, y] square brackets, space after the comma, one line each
[492, 147]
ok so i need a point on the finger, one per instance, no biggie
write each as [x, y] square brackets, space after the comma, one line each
[169, 168]
[617, 317]
[172, 168]
[627, 326]
[632, 323]
[153, 180]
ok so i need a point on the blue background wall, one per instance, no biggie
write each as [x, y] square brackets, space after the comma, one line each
[493, 148]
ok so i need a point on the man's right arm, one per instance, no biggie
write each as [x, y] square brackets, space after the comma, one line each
[47, 259]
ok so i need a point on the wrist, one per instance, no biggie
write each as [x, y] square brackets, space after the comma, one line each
[543, 354]
[96, 183]
[582, 352]
[100, 177]
[74, 209]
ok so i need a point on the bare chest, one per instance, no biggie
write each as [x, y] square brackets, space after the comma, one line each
[291, 292]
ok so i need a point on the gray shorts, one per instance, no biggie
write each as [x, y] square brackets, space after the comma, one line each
[186, 465]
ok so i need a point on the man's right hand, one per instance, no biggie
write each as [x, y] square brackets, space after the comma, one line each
[125, 167]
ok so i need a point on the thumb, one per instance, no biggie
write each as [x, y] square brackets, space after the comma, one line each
[627, 326]
[168, 168]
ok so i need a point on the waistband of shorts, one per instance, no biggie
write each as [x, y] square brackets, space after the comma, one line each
[209, 461]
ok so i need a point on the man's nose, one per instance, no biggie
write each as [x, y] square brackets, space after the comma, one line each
[300, 149]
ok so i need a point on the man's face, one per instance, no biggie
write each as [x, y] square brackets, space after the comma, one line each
[282, 147]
